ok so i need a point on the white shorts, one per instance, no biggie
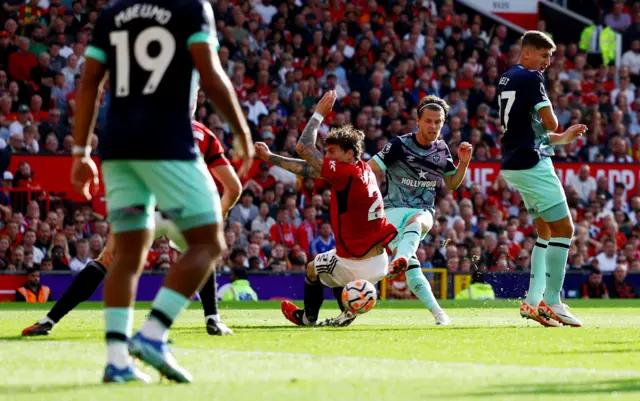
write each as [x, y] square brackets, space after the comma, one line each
[334, 271]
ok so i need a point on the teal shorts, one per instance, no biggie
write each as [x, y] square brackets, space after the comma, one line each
[541, 190]
[398, 216]
[183, 190]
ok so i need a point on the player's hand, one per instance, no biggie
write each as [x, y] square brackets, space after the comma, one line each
[325, 104]
[262, 151]
[84, 176]
[465, 150]
[574, 132]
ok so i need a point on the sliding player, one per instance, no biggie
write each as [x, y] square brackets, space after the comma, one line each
[357, 215]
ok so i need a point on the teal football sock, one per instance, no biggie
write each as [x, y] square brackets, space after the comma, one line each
[538, 280]
[410, 240]
[557, 254]
[165, 309]
[118, 323]
[420, 286]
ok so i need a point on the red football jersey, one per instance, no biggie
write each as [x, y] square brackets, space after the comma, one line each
[357, 212]
[210, 147]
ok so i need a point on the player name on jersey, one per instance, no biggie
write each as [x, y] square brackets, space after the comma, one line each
[146, 11]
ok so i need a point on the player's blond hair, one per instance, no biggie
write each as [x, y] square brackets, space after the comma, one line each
[348, 138]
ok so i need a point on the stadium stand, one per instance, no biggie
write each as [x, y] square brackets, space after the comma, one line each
[381, 57]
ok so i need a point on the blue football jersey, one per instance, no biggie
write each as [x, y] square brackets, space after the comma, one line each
[145, 47]
[521, 93]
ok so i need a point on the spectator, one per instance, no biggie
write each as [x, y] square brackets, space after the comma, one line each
[28, 243]
[619, 286]
[594, 288]
[308, 229]
[244, 211]
[239, 289]
[282, 232]
[631, 58]
[323, 242]
[583, 183]
[263, 222]
[82, 256]
[22, 61]
[617, 19]
[33, 291]
[262, 180]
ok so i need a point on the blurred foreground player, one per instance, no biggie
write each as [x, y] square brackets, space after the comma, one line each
[88, 279]
[357, 215]
[528, 123]
[149, 51]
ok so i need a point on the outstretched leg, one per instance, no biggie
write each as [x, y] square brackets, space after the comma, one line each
[313, 300]
[416, 228]
[82, 287]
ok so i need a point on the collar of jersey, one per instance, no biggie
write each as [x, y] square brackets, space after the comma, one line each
[414, 136]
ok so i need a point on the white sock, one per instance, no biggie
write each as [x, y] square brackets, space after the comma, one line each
[306, 321]
[47, 319]
[216, 318]
[154, 330]
[118, 354]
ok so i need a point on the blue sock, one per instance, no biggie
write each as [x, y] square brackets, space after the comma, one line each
[410, 240]
[118, 323]
[420, 286]
[538, 280]
[165, 309]
[557, 254]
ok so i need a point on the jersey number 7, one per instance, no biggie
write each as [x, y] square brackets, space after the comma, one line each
[510, 97]
[156, 65]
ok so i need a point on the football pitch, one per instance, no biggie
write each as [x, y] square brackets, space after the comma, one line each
[394, 352]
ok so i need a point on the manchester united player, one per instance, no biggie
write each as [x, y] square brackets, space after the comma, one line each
[357, 214]
[88, 280]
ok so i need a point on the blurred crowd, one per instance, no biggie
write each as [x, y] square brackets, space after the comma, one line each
[381, 57]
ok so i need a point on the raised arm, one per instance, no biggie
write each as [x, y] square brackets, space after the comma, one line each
[454, 180]
[296, 166]
[306, 146]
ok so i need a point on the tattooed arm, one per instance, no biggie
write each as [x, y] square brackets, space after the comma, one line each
[306, 146]
[296, 166]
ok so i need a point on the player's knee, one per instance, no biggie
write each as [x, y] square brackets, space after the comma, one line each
[542, 227]
[423, 219]
[562, 228]
[311, 272]
[206, 239]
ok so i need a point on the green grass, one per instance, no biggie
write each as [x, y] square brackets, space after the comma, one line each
[394, 352]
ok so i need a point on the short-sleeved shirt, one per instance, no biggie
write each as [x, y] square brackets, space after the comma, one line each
[521, 94]
[357, 213]
[414, 171]
[145, 47]
[210, 147]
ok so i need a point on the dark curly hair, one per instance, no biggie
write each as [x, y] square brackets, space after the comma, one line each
[347, 138]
